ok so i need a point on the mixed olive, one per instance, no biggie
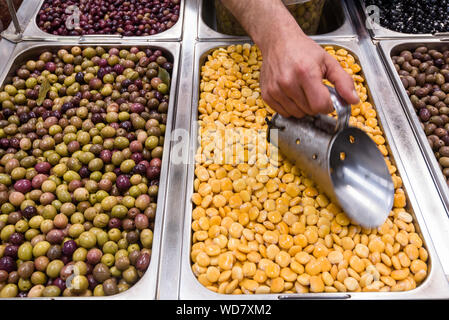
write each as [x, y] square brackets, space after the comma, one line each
[81, 143]
[125, 17]
[424, 73]
[307, 14]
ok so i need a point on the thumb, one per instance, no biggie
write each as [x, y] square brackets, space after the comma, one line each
[341, 79]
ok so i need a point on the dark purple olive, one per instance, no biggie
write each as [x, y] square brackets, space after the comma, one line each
[79, 77]
[43, 167]
[114, 223]
[118, 68]
[153, 172]
[8, 264]
[92, 282]
[23, 186]
[143, 261]
[11, 251]
[84, 172]
[139, 168]
[17, 238]
[50, 66]
[106, 155]
[137, 108]
[29, 212]
[69, 247]
[61, 284]
[424, 114]
[122, 182]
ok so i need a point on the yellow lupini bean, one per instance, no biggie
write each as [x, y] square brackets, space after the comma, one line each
[260, 226]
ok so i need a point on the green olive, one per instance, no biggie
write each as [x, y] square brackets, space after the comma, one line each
[108, 259]
[80, 254]
[38, 277]
[25, 251]
[119, 211]
[127, 165]
[110, 247]
[9, 291]
[146, 238]
[41, 248]
[54, 268]
[51, 291]
[87, 240]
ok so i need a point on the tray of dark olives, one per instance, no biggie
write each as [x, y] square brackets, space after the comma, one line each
[401, 19]
[83, 19]
[420, 72]
[83, 171]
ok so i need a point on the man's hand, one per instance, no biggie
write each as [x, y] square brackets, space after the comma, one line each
[293, 64]
[292, 72]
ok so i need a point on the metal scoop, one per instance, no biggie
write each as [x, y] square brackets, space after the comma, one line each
[342, 160]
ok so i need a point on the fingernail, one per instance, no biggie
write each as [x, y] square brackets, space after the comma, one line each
[355, 94]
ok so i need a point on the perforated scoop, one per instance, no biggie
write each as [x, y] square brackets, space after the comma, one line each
[342, 160]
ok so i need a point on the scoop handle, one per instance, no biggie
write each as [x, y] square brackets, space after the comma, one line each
[342, 107]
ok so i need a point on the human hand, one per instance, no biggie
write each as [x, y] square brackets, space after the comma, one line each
[292, 72]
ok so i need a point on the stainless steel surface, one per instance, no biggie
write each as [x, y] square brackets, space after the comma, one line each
[15, 20]
[335, 22]
[173, 236]
[342, 160]
[379, 32]
[146, 287]
[23, 15]
[33, 32]
[389, 49]
[435, 285]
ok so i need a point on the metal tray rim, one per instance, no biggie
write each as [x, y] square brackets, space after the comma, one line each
[188, 279]
[146, 287]
[205, 33]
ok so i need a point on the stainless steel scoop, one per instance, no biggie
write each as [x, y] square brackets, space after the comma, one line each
[342, 160]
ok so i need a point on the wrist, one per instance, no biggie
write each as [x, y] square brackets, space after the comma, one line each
[282, 30]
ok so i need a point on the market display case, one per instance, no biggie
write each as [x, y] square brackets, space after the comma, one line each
[422, 205]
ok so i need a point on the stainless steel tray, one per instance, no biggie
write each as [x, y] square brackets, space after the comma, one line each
[378, 32]
[393, 47]
[146, 287]
[335, 22]
[33, 32]
[435, 285]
